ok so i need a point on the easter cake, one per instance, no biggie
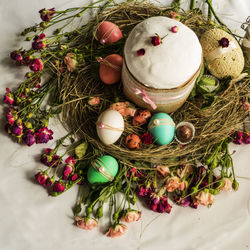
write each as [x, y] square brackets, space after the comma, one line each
[162, 59]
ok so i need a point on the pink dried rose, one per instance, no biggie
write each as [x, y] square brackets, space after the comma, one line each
[93, 101]
[175, 29]
[174, 15]
[131, 216]
[227, 184]
[204, 198]
[86, 223]
[141, 52]
[46, 14]
[42, 178]
[246, 138]
[68, 169]
[116, 231]
[183, 185]
[44, 135]
[58, 187]
[70, 61]
[123, 108]
[70, 160]
[224, 42]
[8, 97]
[184, 170]
[156, 40]
[36, 65]
[163, 170]
[172, 183]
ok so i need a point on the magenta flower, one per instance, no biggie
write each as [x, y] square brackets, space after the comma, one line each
[58, 187]
[224, 42]
[11, 116]
[45, 14]
[42, 178]
[68, 169]
[143, 191]
[44, 135]
[49, 158]
[183, 202]
[156, 40]
[17, 131]
[238, 139]
[39, 43]
[146, 138]
[141, 52]
[16, 56]
[246, 138]
[175, 29]
[8, 97]
[36, 65]
[74, 177]
[29, 139]
[159, 204]
[70, 160]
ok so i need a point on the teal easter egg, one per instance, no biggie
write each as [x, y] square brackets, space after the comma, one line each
[162, 128]
[102, 169]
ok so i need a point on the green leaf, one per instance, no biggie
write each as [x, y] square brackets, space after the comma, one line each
[80, 150]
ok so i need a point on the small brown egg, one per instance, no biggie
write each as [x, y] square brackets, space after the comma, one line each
[110, 68]
[133, 141]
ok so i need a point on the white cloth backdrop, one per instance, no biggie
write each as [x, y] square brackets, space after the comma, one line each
[30, 220]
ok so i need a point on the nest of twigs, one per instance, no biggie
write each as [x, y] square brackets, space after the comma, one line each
[212, 124]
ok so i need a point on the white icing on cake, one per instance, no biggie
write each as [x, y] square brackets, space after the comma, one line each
[169, 64]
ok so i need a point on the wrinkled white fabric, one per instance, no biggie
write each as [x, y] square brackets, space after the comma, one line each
[31, 220]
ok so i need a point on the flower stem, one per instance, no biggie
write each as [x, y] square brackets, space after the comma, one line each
[192, 3]
[209, 2]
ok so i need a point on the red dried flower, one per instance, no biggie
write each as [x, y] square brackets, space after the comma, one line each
[156, 40]
[141, 52]
[146, 138]
[224, 42]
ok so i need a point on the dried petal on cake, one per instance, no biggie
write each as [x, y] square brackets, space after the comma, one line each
[141, 52]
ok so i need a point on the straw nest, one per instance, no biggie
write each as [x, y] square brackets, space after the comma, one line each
[212, 124]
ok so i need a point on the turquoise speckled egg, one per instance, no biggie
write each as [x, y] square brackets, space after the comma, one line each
[162, 127]
[102, 169]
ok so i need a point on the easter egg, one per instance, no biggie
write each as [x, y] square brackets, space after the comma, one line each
[110, 68]
[222, 53]
[108, 32]
[141, 117]
[109, 126]
[162, 127]
[184, 132]
[133, 141]
[102, 170]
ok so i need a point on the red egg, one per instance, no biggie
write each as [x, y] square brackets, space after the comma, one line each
[108, 33]
[110, 68]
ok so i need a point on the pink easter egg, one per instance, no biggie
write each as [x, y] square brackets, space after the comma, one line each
[108, 32]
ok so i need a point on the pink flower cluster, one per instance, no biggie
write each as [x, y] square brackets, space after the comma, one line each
[39, 42]
[49, 158]
[159, 203]
[46, 14]
[241, 137]
[21, 58]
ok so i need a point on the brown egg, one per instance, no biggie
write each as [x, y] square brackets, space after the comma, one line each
[184, 133]
[133, 141]
[108, 32]
[110, 68]
[141, 117]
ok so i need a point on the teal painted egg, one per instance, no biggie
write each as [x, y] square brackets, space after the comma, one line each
[162, 127]
[102, 169]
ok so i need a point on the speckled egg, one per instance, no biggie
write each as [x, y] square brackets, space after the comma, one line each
[222, 53]
[162, 127]
[102, 170]
[109, 126]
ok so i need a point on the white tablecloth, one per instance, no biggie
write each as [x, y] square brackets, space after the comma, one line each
[31, 220]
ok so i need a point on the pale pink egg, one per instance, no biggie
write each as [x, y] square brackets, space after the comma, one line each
[110, 68]
[108, 32]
